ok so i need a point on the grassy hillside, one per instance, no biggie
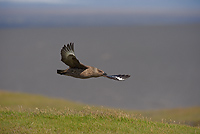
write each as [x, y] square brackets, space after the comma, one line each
[24, 113]
[189, 116]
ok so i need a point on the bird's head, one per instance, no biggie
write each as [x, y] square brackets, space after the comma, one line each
[99, 72]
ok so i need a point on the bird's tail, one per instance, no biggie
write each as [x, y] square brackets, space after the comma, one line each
[61, 72]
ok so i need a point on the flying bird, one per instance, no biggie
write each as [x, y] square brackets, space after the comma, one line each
[78, 70]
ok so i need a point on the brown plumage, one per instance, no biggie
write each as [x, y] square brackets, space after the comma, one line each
[78, 70]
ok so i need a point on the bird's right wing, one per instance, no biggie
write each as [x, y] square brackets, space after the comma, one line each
[69, 58]
[118, 77]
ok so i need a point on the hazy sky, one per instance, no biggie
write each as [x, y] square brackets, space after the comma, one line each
[118, 3]
[97, 12]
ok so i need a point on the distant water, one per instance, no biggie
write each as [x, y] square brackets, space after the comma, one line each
[163, 61]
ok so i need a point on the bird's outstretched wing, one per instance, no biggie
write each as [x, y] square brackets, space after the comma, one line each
[69, 58]
[118, 77]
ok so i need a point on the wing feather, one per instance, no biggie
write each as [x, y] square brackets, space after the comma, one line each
[118, 77]
[68, 57]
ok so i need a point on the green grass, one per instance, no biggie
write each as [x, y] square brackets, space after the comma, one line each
[24, 113]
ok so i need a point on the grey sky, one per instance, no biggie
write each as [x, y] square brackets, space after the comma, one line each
[97, 12]
[19, 13]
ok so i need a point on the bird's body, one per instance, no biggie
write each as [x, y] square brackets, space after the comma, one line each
[81, 73]
[78, 70]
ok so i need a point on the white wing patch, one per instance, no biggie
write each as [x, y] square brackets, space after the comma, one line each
[118, 77]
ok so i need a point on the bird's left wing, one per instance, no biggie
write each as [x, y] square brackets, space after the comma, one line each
[69, 58]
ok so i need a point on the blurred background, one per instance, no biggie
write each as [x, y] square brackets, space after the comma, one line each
[157, 42]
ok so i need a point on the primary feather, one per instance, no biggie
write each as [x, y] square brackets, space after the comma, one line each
[118, 77]
[69, 58]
